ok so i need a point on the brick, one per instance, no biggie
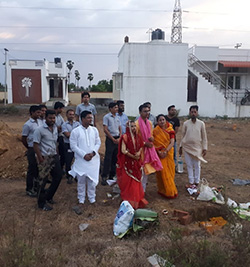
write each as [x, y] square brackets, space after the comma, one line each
[184, 220]
[180, 213]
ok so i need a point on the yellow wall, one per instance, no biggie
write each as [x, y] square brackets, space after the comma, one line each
[75, 97]
[2, 95]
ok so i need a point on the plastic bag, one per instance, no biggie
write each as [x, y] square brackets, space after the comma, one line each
[124, 218]
[206, 193]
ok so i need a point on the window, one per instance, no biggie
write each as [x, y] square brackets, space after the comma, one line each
[233, 82]
[192, 87]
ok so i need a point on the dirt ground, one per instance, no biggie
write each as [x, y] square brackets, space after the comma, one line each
[55, 238]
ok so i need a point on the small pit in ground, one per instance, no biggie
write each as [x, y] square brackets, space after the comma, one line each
[205, 213]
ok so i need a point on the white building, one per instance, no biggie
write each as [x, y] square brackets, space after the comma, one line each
[36, 81]
[164, 74]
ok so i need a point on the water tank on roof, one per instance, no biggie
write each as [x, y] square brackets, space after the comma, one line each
[158, 34]
[57, 60]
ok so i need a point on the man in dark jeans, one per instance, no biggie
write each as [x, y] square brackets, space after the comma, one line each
[67, 128]
[27, 139]
[112, 130]
[58, 107]
[45, 147]
[172, 118]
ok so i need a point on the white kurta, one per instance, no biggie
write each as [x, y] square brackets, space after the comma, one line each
[194, 138]
[84, 141]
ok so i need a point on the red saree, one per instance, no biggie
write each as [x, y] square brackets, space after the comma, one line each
[129, 171]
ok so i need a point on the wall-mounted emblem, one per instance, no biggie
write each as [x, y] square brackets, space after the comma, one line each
[26, 83]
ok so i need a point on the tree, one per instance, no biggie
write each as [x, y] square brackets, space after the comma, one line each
[90, 78]
[69, 65]
[77, 77]
[103, 86]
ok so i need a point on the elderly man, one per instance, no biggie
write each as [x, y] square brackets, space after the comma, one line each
[194, 144]
[85, 143]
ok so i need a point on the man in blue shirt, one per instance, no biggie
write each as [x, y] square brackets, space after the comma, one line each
[85, 105]
[27, 139]
[67, 128]
[112, 130]
[121, 115]
[45, 147]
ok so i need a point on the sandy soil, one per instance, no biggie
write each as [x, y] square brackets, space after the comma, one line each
[56, 234]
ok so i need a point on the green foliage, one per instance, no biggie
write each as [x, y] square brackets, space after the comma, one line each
[103, 86]
[194, 253]
[17, 253]
[9, 109]
[2, 87]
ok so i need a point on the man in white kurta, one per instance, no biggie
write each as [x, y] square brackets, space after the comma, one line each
[194, 144]
[85, 143]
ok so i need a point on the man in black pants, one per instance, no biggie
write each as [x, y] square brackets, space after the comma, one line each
[45, 147]
[67, 128]
[58, 107]
[27, 139]
[112, 130]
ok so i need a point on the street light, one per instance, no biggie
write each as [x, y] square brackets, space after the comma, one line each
[5, 63]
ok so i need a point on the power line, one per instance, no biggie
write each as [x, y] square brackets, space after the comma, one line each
[115, 27]
[78, 27]
[69, 44]
[110, 9]
[70, 53]
[88, 9]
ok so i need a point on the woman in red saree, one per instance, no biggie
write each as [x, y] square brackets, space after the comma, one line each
[129, 167]
[164, 141]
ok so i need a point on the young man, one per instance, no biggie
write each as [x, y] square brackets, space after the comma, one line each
[43, 111]
[150, 116]
[45, 147]
[67, 128]
[144, 127]
[27, 139]
[58, 107]
[112, 130]
[85, 105]
[85, 142]
[194, 144]
[171, 117]
[122, 116]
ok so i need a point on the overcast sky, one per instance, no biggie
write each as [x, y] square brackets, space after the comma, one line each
[91, 32]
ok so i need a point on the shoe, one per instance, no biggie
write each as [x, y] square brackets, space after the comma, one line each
[70, 180]
[31, 193]
[104, 182]
[46, 207]
[51, 201]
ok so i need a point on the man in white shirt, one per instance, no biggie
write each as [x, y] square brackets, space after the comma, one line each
[85, 143]
[194, 144]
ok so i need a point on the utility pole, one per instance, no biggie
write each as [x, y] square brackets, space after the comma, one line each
[5, 63]
[176, 33]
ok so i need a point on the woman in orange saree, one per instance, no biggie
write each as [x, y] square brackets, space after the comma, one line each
[164, 141]
[129, 167]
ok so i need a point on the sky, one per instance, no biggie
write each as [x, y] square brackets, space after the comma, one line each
[91, 32]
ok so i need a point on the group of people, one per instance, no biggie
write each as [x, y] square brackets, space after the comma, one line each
[133, 151]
